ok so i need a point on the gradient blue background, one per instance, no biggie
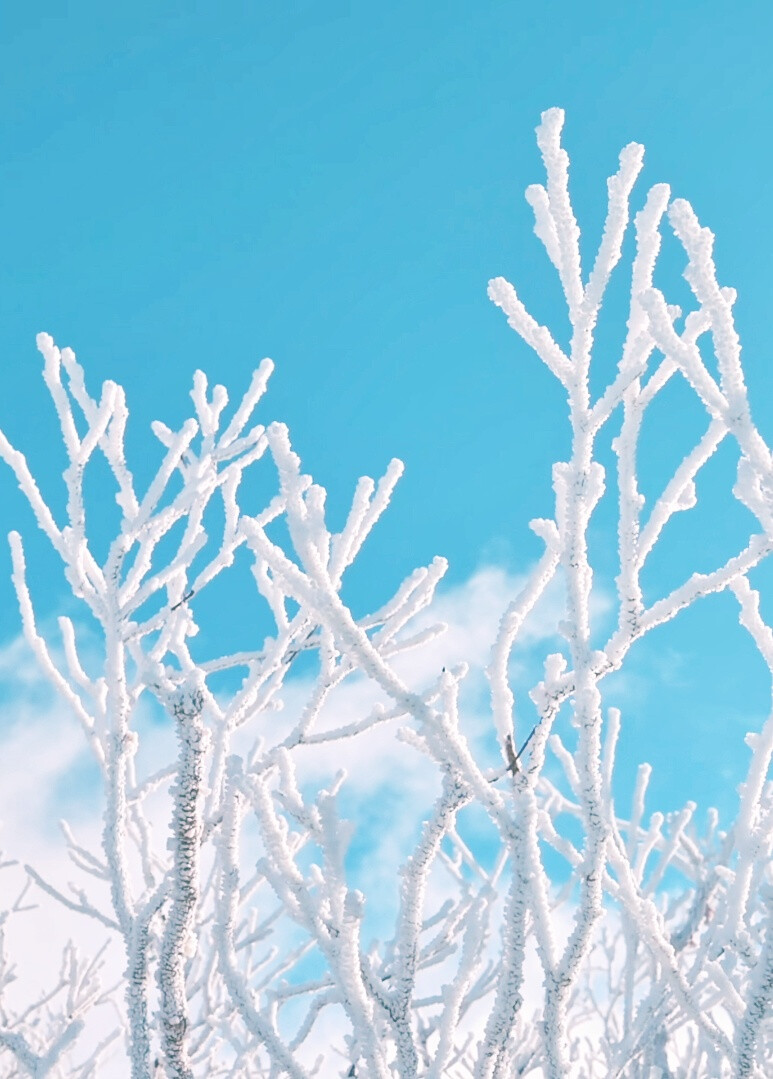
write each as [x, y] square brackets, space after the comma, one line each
[199, 185]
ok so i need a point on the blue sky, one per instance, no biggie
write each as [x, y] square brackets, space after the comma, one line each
[199, 185]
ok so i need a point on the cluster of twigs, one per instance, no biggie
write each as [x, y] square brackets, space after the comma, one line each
[255, 965]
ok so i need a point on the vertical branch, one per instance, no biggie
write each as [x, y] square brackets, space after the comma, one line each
[115, 845]
[412, 894]
[759, 1000]
[579, 485]
[178, 942]
[261, 1027]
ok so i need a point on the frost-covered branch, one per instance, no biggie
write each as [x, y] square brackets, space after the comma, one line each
[536, 931]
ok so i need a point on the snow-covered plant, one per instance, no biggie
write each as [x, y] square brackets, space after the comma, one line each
[225, 866]
[38, 1035]
[697, 977]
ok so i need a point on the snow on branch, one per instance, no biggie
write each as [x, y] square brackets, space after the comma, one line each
[535, 928]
